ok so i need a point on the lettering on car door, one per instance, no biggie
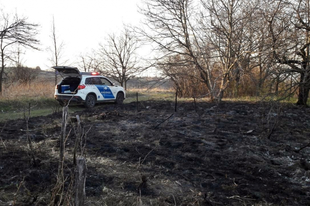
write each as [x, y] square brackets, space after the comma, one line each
[103, 86]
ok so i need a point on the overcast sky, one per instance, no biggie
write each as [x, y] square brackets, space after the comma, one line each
[80, 24]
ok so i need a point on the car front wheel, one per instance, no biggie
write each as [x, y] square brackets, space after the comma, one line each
[90, 101]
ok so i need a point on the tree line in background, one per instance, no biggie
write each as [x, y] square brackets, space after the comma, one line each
[232, 48]
[213, 48]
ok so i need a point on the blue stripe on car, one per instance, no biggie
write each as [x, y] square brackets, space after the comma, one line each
[105, 91]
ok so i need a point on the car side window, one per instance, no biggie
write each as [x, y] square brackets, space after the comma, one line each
[88, 81]
[96, 81]
[105, 82]
[93, 81]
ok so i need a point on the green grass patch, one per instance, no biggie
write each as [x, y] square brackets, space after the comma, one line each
[22, 104]
[288, 100]
[131, 96]
[16, 109]
[41, 106]
[21, 115]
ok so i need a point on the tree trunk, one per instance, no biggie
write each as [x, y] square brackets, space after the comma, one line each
[277, 86]
[1, 81]
[304, 89]
[1, 72]
[224, 83]
[303, 96]
[260, 80]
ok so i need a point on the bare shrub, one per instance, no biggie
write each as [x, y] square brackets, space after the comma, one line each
[23, 75]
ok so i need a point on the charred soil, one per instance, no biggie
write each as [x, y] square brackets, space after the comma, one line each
[235, 153]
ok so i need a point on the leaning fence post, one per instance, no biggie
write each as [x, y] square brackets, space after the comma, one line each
[80, 182]
[137, 101]
[176, 101]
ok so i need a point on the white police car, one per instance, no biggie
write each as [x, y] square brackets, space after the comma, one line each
[86, 87]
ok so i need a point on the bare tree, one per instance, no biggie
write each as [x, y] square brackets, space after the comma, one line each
[56, 50]
[289, 26]
[230, 30]
[16, 56]
[15, 31]
[119, 57]
[90, 62]
[177, 30]
[252, 48]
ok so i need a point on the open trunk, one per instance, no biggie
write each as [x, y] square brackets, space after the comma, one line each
[69, 85]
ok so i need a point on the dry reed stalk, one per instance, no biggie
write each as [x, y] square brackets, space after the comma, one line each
[58, 190]
[41, 89]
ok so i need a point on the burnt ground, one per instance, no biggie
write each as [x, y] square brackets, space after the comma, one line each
[236, 153]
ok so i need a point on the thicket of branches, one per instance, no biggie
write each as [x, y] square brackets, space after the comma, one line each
[22, 75]
[231, 48]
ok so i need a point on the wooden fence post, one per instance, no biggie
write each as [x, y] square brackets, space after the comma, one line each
[176, 101]
[137, 101]
[80, 179]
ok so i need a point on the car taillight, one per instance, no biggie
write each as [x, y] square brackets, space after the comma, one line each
[57, 86]
[81, 87]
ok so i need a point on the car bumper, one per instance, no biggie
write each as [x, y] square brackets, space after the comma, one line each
[64, 98]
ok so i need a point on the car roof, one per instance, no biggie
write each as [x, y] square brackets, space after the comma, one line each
[91, 74]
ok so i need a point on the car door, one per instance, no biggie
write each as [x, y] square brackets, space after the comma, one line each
[91, 83]
[106, 88]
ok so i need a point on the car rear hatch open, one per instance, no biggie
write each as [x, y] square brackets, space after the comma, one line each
[71, 79]
[65, 71]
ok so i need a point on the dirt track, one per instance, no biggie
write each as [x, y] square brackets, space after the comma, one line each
[228, 154]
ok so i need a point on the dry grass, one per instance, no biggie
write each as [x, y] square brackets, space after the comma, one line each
[34, 90]
[38, 97]
[46, 89]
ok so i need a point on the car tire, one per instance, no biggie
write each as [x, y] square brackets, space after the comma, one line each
[90, 101]
[119, 98]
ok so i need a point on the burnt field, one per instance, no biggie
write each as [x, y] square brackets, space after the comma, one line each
[235, 153]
